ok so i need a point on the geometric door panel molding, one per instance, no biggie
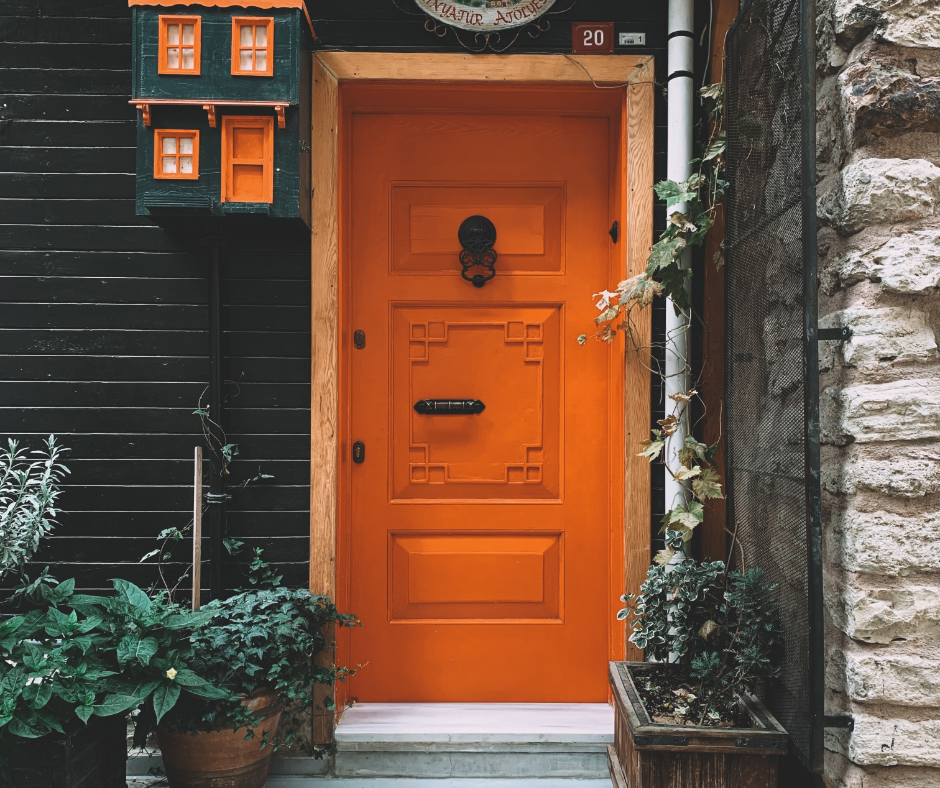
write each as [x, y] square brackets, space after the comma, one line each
[510, 357]
[425, 217]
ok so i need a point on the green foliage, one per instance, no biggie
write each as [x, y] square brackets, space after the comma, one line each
[147, 640]
[727, 637]
[264, 637]
[29, 487]
[78, 656]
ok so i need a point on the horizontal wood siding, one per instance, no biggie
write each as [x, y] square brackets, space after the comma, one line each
[104, 320]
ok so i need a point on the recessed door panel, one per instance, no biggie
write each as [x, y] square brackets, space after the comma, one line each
[476, 576]
[529, 220]
[480, 538]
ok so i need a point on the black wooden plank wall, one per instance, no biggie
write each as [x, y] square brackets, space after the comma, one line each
[103, 318]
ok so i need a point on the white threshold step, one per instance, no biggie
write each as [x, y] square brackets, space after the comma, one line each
[475, 740]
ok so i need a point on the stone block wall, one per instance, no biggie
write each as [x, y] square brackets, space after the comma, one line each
[879, 207]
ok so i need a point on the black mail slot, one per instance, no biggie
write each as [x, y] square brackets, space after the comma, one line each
[444, 407]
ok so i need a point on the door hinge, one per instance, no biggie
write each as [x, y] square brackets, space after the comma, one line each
[614, 232]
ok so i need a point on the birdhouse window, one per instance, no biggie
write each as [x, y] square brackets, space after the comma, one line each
[176, 154]
[253, 46]
[180, 38]
[247, 159]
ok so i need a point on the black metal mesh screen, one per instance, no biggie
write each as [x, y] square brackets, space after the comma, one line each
[766, 406]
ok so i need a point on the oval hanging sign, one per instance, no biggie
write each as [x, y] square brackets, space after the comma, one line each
[485, 15]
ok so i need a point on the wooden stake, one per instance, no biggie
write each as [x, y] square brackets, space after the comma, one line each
[197, 529]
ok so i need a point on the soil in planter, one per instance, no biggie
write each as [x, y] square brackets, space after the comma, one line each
[671, 697]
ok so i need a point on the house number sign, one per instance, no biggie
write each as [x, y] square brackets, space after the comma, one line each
[485, 15]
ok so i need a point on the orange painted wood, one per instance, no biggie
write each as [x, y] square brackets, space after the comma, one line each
[476, 543]
[174, 38]
[173, 147]
[247, 159]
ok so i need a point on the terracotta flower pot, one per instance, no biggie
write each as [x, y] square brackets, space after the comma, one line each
[221, 759]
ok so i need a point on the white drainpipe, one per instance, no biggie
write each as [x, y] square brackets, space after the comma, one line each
[678, 168]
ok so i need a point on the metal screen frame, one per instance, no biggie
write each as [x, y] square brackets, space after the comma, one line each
[773, 484]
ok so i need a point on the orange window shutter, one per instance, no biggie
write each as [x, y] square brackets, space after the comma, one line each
[248, 159]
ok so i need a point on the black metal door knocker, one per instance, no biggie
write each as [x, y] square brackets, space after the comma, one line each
[477, 234]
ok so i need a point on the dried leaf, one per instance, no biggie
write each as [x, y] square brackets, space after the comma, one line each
[683, 397]
[669, 424]
[681, 221]
[605, 296]
[663, 557]
[708, 629]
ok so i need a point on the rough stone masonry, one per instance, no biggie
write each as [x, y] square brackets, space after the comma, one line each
[878, 119]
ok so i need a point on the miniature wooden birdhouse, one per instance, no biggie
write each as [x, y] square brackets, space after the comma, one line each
[223, 93]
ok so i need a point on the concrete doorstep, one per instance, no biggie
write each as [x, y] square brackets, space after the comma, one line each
[435, 745]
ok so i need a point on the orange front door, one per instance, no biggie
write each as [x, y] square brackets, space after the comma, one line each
[482, 547]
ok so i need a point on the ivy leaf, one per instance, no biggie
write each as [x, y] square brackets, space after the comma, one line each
[582, 339]
[708, 485]
[654, 447]
[663, 254]
[687, 473]
[693, 450]
[717, 147]
[164, 698]
[674, 193]
[689, 515]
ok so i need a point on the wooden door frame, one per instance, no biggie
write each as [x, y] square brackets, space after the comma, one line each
[635, 76]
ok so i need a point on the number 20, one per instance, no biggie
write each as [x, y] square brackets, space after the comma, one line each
[594, 38]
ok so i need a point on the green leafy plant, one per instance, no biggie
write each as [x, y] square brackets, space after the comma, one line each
[30, 485]
[264, 637]
[147, 639]
[79, 656]
[726, 637]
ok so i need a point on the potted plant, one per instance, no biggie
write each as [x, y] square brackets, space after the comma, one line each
[50, 671]
[691, 713]
[72, 666]
[691, 720]
[262, 646]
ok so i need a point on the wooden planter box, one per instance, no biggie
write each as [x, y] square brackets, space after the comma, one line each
[92, 756]
[649, 755]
